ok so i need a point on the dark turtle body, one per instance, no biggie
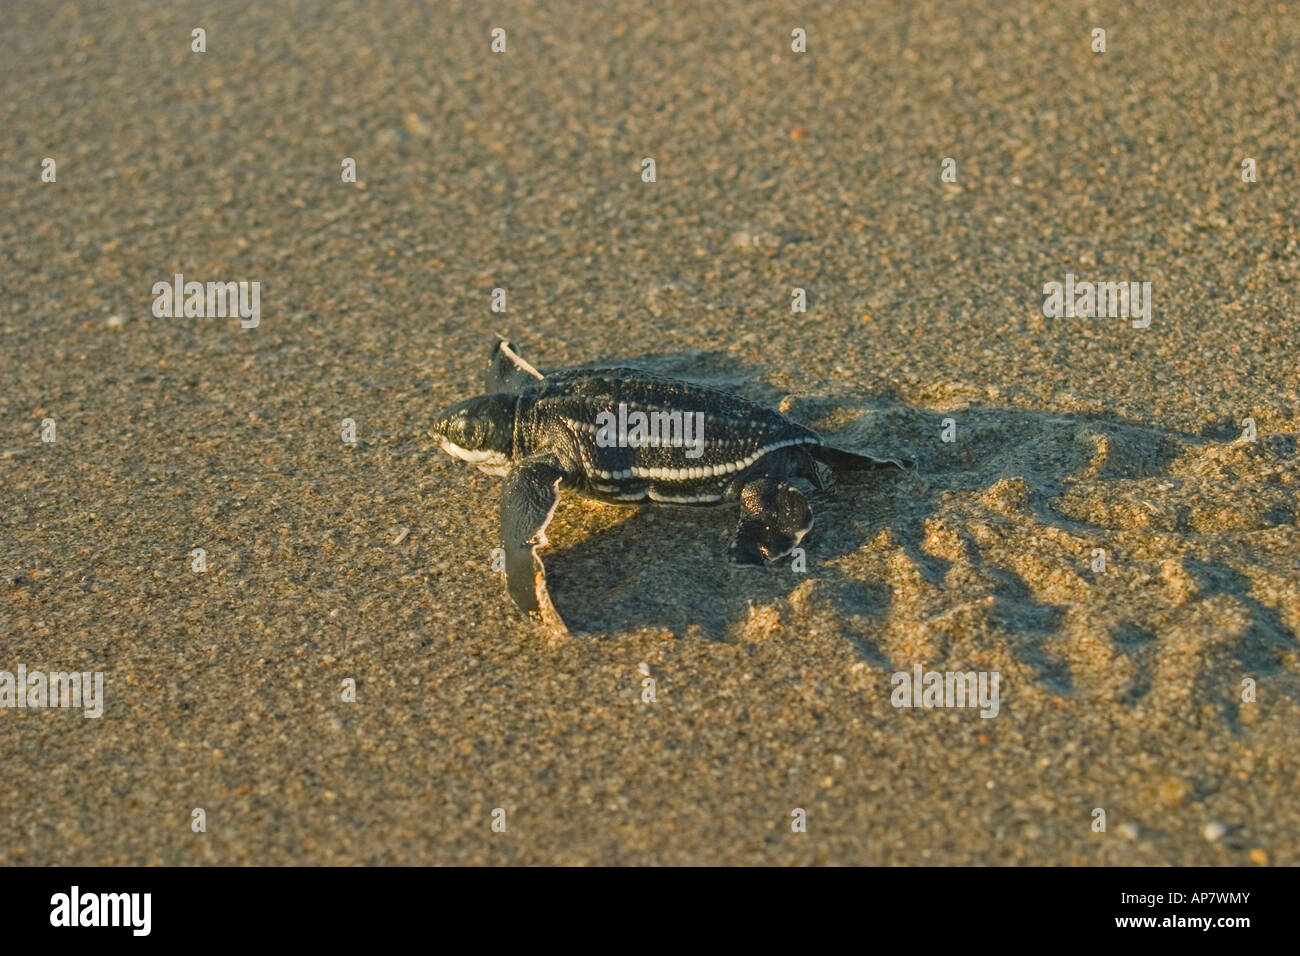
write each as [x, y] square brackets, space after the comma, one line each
[628, 436]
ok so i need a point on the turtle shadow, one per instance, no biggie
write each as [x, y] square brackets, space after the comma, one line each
[869, 555]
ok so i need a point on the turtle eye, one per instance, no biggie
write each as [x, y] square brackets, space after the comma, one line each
[457, 428]
[472, 431]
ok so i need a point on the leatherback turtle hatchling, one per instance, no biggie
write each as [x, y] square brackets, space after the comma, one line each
[627, 436]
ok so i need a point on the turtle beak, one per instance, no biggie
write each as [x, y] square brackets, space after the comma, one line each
[450, 428]
[439, 430]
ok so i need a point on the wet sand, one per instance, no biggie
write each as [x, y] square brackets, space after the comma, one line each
[1119, 689]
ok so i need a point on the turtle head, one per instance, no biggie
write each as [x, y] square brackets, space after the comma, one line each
[479, 431]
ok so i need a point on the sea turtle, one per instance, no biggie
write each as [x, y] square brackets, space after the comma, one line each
[628, 436]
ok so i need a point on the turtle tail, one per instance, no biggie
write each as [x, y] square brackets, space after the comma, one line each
[839, 459]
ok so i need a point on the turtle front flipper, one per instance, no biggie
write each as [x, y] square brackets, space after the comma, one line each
[855, 461]
[774, 517]
[507, 371]
[529, 497]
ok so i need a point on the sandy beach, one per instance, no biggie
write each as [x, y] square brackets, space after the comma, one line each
[1160, 684]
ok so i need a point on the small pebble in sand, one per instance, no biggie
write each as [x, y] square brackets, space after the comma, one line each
[643, 669]
[401, 535]
[1214, 832]
[115, 321]
[1129, 831]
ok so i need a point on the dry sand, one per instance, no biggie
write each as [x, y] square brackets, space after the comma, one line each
[1119, 689]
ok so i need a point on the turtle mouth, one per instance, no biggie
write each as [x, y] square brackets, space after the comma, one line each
[492, 462]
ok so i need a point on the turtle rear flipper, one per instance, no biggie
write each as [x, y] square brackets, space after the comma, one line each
[774, 517]
[507, 371]
[852, 461]
[529, 497]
